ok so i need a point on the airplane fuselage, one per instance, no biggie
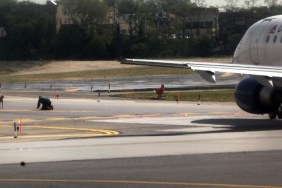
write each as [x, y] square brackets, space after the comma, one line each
[261, 44]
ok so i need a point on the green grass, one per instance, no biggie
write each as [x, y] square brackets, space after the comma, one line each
[6, 70]
[206, 95]
[8, 67]
[128, 72]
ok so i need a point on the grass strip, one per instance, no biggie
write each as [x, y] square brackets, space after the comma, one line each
[204, 95]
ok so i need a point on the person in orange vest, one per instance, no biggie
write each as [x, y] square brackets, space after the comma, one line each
[160, 91]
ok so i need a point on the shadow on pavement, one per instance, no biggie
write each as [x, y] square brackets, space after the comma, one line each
[243, 124]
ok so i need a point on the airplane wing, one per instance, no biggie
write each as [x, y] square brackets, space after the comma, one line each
[263, 74]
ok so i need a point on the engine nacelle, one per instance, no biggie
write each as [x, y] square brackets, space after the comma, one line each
[254, 98]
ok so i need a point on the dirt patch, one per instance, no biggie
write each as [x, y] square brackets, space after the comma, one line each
[72, 66]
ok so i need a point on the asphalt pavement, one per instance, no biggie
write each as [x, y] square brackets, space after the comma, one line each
[236, 170]
[128, 143]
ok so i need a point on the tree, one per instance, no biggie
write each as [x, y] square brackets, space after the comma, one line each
[129, 9]
[176, 12]
[7, 3]
[183, 9]
[6, 7]
[86, 13]
[231, 5]
[200, 3]
[166, 5]
[250, 3]
[110, 3]
[69, 42]
[271, 3]
[30, 31]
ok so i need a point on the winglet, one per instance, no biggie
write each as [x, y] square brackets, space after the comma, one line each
[207, 75]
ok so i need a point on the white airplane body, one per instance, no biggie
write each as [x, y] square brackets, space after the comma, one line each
[259, 55]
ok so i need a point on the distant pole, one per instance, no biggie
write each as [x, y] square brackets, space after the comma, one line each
[99, 95]
[109, 90]
[199, 99]
[25, 85]
[20, 122]
[15, 130]
[91, 89]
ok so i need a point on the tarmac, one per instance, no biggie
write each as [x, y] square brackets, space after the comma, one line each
[84, 142]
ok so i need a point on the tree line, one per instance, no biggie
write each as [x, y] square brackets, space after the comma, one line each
[32, 34]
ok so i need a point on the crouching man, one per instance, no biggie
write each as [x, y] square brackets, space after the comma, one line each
[45, 102]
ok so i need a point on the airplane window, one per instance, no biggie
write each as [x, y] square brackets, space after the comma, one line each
[274, 39]
[267, 39]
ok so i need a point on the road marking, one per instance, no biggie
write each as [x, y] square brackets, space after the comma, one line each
[72, 90]
[25, 120]
[98, 132]
[138, 182]
[119, 116]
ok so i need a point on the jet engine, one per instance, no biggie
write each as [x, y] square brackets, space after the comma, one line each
[255, 98]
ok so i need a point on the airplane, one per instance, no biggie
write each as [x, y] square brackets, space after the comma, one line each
[258, 57]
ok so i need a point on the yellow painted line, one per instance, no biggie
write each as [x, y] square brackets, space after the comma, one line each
[55, 136]
[104, 131]
[132, 116]
[58, 119]
[138, 182]
[71, 90]
[47, 119]
[17, 111]
[101, 132]
[80, 118]
[48, 111]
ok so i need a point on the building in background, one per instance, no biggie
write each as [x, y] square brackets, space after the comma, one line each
[62, 18]
[202, 20]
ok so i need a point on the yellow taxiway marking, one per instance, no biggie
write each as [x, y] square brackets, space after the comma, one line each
[71, 90]
[25, 120]
[97, 132]
[138, 182]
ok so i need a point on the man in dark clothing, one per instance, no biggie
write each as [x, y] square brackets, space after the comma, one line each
[46, 103]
